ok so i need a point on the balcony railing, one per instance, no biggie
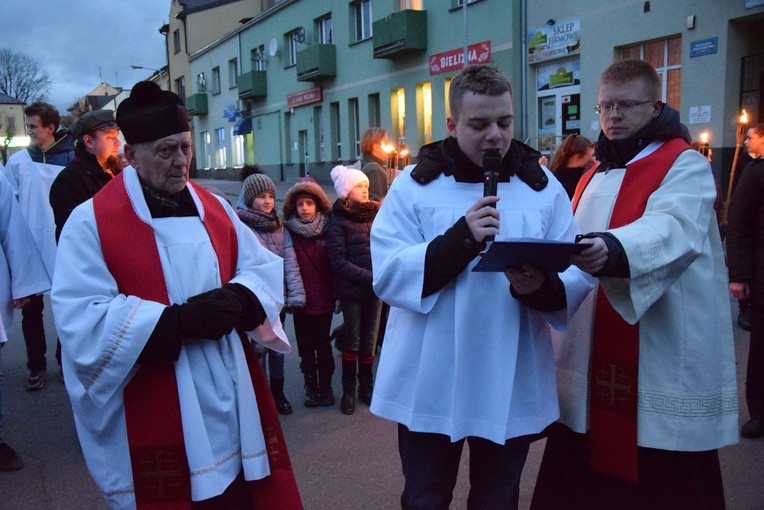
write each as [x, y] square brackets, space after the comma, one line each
[316, 62]
[196, 104]
[400, 33]
[252, 84]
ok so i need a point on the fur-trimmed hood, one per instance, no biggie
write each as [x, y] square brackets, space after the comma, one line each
[311, 187]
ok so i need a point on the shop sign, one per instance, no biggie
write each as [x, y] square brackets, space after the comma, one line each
[305, 97]
[554, 41]
[479, 53]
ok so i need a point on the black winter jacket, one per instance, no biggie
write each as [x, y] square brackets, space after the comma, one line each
[79, 181]
[349, 234]
[745, 231]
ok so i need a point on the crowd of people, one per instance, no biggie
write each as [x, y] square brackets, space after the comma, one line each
[169, 304]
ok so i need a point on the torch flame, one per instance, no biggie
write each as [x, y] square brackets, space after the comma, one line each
[744, 117]
[387, 147]
[704, 137]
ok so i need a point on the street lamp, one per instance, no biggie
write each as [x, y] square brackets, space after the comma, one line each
[742, 125]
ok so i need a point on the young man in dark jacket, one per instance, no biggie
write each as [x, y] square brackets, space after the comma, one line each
[95, 157]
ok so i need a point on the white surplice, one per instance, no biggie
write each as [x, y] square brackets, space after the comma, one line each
[103, 332]
[31, 182]
[468, 360]
[22, 272]
[687, 394]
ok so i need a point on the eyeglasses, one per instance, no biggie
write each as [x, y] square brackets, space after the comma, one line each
[609, 108]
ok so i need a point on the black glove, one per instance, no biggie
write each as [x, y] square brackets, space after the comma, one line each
[210, 317]
[199, 319]
[252, 314]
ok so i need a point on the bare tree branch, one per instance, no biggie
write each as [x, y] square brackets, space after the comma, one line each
[21, 77]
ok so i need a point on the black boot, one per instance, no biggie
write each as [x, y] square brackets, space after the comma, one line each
[347, 404]
[365, 382]
[349, 368]
[277, 390]
[744, 316]
[325, 394]
[311, 391]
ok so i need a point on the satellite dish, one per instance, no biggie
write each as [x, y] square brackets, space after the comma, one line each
[273, 47]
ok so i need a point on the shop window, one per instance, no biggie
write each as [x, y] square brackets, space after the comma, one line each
[424, 113]
[354, 123]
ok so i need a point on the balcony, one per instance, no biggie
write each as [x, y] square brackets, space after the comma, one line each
[252, 84]
[400, 33]
[316, 62]
[196, 104]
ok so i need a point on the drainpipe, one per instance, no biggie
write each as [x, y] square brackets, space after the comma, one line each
[524, 68]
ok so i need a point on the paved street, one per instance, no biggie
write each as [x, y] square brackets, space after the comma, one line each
[341, 462]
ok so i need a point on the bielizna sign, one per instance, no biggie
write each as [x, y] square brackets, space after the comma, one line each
[451, 60]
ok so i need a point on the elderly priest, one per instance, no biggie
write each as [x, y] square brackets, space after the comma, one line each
[157, 288]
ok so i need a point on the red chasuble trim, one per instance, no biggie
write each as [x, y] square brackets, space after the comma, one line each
[615, 344]
[158, 456]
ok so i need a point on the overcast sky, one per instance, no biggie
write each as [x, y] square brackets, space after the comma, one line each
[80, 43]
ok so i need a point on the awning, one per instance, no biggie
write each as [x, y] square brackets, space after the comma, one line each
[243, 126]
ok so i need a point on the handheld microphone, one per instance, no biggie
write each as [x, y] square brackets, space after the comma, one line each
[491, 167]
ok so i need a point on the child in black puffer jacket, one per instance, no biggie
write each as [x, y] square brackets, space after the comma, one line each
[350, 256]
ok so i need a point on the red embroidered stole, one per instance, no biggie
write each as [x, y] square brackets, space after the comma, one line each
[157, 453]
[615, 344]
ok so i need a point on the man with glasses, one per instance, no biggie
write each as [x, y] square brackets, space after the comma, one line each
[647, 388]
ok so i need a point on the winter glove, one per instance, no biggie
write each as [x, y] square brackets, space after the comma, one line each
[252, 313]
[199, 319]
[214, 315]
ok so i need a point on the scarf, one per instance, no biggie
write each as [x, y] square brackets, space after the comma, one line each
[260, 221]
[308, 228]
[360, 212]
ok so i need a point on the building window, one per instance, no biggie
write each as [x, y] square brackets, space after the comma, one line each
[180, 88]
[233, 72]
[398, 110]
[238, 149]
[324, 29]
[258, 58]
[446, 92]
[665, 55]
[354, 125]
[288, 137]
[362, 19]
[204, 149]
[292, 41]
[375, 116]
[318, 133]
[334, 129]
[414, 5]
[220, 152]
[201, 83]
[216, 80]
[459, 3]
[176, 41]
[424, 113]
[10, 125]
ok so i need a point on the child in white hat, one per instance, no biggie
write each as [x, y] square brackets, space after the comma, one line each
[350, 256]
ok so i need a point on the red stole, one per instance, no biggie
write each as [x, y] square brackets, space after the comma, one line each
[615, 343]
[157, 453]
